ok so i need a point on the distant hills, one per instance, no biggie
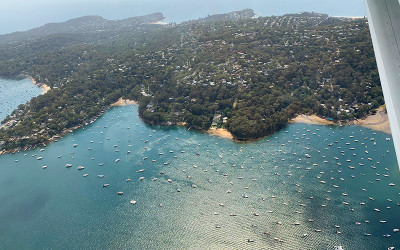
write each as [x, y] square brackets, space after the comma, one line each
[257, 73]
[95, 28]
[234, 15]
[82, 25]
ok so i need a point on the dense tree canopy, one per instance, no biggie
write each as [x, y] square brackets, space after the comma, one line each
[259, 73]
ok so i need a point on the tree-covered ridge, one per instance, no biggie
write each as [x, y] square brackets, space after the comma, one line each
[81, 25]
[258, 73]
[234, 15]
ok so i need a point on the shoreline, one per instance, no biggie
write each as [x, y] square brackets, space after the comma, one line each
[220, 132]
[378, 122]
[120, 102]
[124, 102]
[46, 88]
[311, 119]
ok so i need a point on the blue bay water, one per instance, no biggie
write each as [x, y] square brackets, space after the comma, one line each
[15, 92]
[220, 193]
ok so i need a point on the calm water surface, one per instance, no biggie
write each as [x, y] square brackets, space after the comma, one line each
[201, 192]
[14, 93]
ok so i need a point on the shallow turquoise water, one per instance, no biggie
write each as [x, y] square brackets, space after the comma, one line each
[58, 208]
[15, 92]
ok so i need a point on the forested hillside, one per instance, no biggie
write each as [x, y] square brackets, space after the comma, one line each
[256, 72]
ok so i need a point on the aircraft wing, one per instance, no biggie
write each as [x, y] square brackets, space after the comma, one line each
[384, 24]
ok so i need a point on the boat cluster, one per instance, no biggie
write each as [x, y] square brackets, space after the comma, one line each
[304, 176]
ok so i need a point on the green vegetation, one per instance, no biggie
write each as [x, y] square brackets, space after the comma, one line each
[258, 73]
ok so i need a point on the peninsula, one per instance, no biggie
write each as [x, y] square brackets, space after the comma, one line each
[236, 73]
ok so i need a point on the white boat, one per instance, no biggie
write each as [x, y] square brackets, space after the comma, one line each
[39, 158]
[68, 165]
[133, 202]
[80, 168]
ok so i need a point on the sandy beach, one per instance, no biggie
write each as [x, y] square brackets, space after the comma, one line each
[379, 121]
[221, 132]
[43, 86]
[124, 102]
[311, 119]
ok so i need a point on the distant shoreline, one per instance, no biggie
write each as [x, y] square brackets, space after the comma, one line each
[351, 17]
